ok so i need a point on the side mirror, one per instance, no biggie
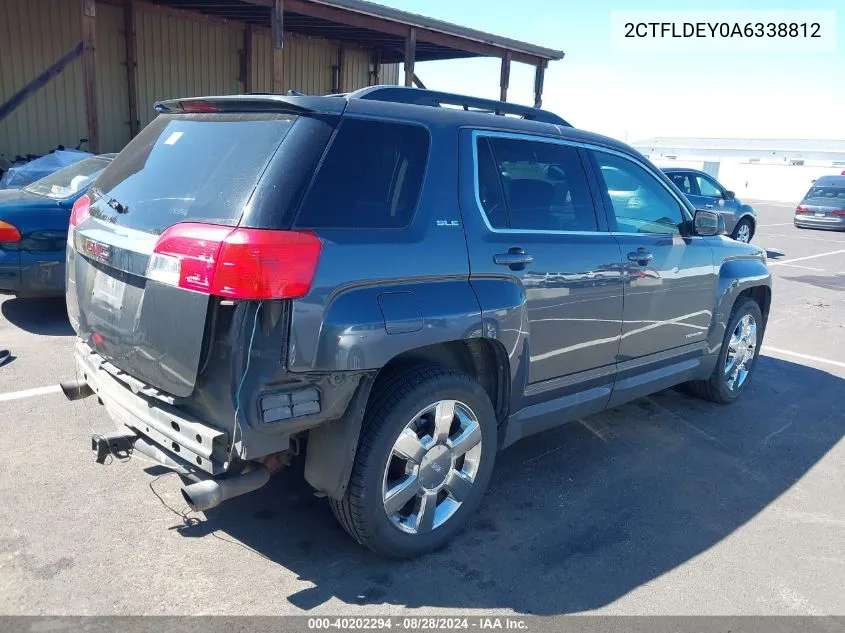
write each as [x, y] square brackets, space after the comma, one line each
[708, 223]
[729, 195]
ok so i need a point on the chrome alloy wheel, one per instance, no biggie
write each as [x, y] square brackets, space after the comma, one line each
[741, 348]
[743, 233]
[432, 467]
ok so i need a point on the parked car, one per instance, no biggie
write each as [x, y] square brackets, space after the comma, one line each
[357, 290]
[34, 228]
[705, 192]
[823, 207]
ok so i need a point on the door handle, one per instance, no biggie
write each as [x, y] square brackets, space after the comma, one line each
[641, 256]
[516, 258]
[708, 206]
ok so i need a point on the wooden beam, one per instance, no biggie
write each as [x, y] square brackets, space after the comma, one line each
[539, 73]
[341, 72]
[277, 22]
[89, 73]
[418, 82]
[410, 56]
[375, 60]
[248, 58]
[40, 81]
[505, 76]
[131, 65]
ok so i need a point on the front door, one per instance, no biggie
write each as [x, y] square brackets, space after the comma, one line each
[535, 229]
[670, 278]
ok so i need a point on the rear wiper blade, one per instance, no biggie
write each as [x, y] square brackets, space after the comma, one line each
[114, 203]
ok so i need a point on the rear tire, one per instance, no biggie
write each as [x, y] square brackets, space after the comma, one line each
[724, 385]
[743, 231]
[443, 488]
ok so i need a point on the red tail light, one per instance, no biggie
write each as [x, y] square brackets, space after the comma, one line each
[80, 211]
[839, 212]
[799, 209]
[198, 105]
[236, 263]
[9, 233]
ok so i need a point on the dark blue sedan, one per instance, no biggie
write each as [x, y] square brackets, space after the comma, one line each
[33, 228]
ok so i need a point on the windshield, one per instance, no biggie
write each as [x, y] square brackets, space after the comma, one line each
[69, 180]
[189, 168]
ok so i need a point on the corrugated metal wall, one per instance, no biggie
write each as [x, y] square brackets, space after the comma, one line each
[177, 57]
[112, 87]
[181, 58]
[308, 65]
[33, 35]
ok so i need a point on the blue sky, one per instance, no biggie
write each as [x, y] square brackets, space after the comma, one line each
[635, 96]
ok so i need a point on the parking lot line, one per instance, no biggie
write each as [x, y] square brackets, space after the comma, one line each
[818, 270]
[802, 237]
[801, 259]
[29, 393]
[778, 224]
[817, 359]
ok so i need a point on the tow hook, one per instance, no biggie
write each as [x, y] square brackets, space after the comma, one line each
[118, 444]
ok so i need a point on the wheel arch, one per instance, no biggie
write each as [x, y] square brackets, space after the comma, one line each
[331, 447]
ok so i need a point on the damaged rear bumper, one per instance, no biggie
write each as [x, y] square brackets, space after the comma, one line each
[160, 431]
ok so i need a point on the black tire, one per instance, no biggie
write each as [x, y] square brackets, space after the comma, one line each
[361, 511]
[744, 222]
[715, 388]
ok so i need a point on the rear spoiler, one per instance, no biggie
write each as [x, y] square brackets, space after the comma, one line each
[253, 103]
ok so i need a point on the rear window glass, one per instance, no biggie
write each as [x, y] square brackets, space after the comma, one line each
[826, 193]
[189, 168]
[370, 178]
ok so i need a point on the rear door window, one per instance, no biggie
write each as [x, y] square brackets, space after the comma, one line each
[683, 182]
[189, 168]
[370, 178]
[533, 185]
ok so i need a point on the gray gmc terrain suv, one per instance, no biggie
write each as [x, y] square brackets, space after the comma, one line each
[395, 283]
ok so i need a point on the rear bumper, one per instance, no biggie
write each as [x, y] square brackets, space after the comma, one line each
[812, 222]
[168, 436]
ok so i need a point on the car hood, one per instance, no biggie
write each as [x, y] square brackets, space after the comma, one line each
[732, 248]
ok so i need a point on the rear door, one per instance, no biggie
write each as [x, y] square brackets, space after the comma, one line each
[199, 169]
[534, 225]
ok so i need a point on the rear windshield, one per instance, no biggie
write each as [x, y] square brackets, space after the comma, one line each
[834, 194]
[189, 168]
[69, 180]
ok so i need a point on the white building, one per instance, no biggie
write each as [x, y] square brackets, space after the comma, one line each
[771, 169]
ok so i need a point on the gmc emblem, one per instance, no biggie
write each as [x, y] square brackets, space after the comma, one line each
[97, 250]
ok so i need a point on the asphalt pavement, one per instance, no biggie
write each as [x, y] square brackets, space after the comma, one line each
[667, 505]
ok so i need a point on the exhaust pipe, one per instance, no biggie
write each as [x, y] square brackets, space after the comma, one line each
[210, 493]
[76, 389]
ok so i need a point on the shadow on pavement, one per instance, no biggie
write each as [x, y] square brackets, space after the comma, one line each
[38, 316]
[576, 517]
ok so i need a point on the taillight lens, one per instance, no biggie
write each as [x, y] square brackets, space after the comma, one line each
[799, 209]
[839, 212]
[9, 232]
[81, 209]
[236, 263]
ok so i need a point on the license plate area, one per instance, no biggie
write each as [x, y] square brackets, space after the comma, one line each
[108, 290]
[820, 214]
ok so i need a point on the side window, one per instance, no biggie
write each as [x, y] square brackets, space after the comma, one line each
[543, 186]
[370, 178]
[640, 202]
[708, 188]
[682, 182]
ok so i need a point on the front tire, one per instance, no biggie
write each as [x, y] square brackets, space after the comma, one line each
[737, 358]
[424, 459]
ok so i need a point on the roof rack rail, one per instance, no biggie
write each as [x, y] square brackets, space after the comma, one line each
[418, 96]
